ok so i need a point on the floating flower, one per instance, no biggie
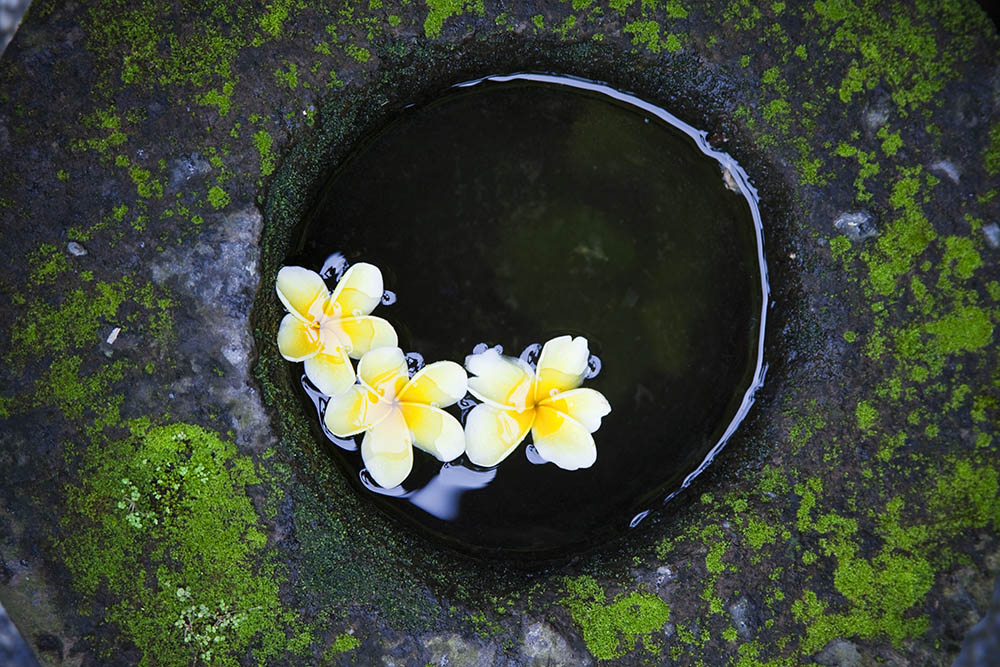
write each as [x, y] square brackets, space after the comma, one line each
[324, 330]
[546, 401]
[396, 413]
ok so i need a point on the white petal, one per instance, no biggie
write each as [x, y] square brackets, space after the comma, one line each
[387, 451]
[439, 384]
[561, 366]
[562, 440]
[296, 339]
[492, 434]
[299, 289]
[587, 406]
[361, 334]
[502, 381]
[384, 371]
[354, 411]
[434, 431]
[330, 371]
[358, 292]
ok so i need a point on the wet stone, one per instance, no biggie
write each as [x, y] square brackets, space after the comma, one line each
[745, 616]
[981, 646]
[839, 653]
[455, 651]
[857, 226]
[76, 249]
[947, 169]
[542, 646]
[992, 234]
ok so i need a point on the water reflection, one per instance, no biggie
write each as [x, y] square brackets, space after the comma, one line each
[440, 497]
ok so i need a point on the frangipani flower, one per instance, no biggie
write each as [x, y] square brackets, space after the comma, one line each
[546, 401]
[326, 330]
[396, 412]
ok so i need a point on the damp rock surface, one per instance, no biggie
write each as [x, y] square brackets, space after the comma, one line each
[168, 469]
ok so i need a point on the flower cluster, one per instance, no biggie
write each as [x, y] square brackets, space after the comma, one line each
[395, 412]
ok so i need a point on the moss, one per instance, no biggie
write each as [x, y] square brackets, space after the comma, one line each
[146, 186]
[966, 497]
[288, 77]
[263, 142]
[991, 156]
[905, 238]
[713, 559]
[148, 43]
[46, 264]
[758, 533]
[45, 329]
[219, 99]
[645, 32]
[161, 523]
[358, 53]
[866, 415]
[611, 629]
[565, 27]
[217, 197]
[275, 16]
[896, 51]
[342, 644]
[891, 142]
[442, 10]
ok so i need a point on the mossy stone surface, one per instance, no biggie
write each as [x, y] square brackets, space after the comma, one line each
[161, 482]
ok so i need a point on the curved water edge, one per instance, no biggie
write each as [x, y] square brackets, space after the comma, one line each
[742, 180]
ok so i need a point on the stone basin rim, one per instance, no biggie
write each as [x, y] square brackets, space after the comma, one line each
[395, 96]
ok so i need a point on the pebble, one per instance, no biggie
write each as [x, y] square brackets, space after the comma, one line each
[746, 617]
[857, 226]
[839, 653]
[992, 234]
[947, 169]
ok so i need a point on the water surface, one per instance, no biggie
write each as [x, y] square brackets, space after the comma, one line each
[507, 213]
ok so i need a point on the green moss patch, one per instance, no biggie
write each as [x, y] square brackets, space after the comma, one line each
[611, 629]
[161, 525]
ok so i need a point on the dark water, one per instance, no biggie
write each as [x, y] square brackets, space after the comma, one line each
[510, 213]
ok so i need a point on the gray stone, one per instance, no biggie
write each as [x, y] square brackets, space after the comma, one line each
[183, 169]
[219, 276]
[992, 234]
[13, 651]
[664, 575]
[947, 169]
[542, 645]
[876, 116]
[839, 653]
[981, 646]
[455, 651]
[857, 226]
[746, 617]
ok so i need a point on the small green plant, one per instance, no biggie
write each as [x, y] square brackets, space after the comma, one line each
[204, 629]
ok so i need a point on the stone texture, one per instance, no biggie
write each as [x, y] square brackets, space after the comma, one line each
[454, 651]
[839, 653]
[542, 646]
[168, 140]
